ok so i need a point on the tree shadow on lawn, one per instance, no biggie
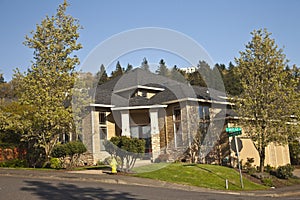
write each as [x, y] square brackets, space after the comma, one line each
[49, 191]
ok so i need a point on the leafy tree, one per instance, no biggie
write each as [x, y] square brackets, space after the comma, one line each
[127, 149]
[118, 71]
[268, 99]
[102, 75]
[144, 65]
[162, 69]
[47, 85]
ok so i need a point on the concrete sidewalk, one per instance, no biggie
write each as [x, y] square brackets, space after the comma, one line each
[99, 176]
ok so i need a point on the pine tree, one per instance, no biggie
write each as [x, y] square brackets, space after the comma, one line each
[144, 65]
[102, 75]
[162, 69]
[118, 71]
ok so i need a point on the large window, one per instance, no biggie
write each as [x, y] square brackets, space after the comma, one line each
[102, 129]
[177, 127]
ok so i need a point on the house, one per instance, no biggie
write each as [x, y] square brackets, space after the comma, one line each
[168, 114]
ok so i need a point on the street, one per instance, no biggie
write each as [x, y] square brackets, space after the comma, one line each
[14, 187]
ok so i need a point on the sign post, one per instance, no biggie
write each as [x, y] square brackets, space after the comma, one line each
[233, 132]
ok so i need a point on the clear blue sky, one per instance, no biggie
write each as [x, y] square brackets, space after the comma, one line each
[221, 27]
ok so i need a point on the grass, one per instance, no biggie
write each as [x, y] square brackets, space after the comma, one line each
[201, 175]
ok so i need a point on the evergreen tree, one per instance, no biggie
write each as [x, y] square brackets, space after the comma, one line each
[1, 79]
[144, 65]
[102, 75]
[118, 71]
[128, 68]
[162, 69]
[232, 81]
[177, 75]
[195, 78]
[268, 99]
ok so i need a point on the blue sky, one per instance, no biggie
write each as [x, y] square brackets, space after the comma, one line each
[222, 28]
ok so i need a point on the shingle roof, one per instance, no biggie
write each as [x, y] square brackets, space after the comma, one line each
[119, 90]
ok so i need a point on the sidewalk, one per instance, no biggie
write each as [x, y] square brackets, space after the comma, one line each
[99, 176]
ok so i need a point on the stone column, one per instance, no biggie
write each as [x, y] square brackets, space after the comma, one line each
[125, 123]
[155, 139]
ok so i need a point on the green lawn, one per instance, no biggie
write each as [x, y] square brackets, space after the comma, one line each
[201, 175]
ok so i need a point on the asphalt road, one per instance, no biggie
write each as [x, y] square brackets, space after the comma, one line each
[18, 188]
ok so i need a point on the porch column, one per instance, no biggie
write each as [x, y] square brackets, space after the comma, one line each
[125, 123]
[155, 137]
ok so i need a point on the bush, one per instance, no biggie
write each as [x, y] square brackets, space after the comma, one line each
[269, 169]
[267, 182]
[108, 160]
[73, 149]
[14, 163]
[285, 172]
[128, 149]
[55, 163]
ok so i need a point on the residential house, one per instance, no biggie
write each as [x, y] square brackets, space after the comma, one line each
[168, 114]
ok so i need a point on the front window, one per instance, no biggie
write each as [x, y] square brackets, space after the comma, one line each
[102, 129]
[177, 127]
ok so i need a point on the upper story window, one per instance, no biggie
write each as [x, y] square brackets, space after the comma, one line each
[102, 118]
[144, 93]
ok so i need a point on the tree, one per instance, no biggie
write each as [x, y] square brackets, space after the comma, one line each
[232, 81]
[128, 68]
[102, 75]
[118, 71]
[162, 69]
[267, 101]
[195, 78]
[144, 65]
[1, 79]
[47, 85]
[177, 75]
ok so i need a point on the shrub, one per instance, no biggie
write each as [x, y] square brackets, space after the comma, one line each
[285, 172]
[269, 169]
[128, 149]
[73, 149]
[267, 182]
[55, 163]
[108, 160]
[14, 163]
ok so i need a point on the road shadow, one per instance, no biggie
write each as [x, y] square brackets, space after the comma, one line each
[50, 191]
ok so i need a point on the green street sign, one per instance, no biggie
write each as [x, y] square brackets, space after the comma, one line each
[233, 131]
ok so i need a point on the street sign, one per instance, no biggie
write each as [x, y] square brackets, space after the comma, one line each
[233, 131]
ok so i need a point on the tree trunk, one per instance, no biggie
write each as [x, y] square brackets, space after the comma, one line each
[262, 156]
